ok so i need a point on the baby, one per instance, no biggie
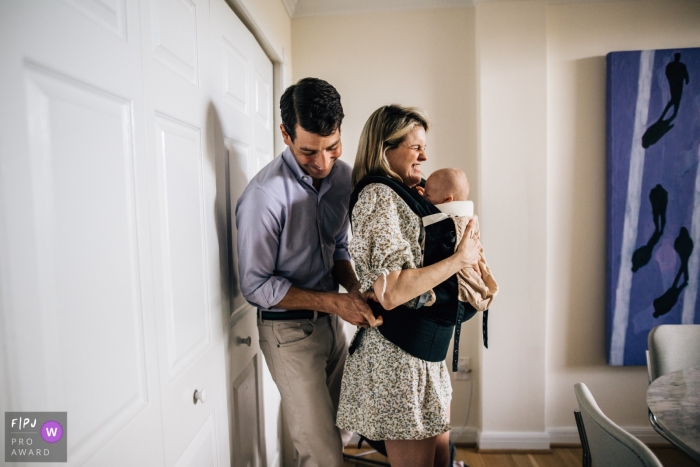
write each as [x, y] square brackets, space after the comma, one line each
[447, 190]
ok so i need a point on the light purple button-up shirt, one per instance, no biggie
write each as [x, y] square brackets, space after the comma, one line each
[289, 233]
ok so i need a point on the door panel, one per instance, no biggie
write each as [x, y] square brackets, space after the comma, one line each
[235, 76]
[78, 333]
[202, 450]
[82, 161]
[108, 13]
[247, 402]
[189, 244]
[174, 34]
[185, 279]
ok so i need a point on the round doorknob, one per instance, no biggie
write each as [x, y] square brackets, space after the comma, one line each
[247, 341]
[200, 396]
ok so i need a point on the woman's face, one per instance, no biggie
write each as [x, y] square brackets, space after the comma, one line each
[406, 159]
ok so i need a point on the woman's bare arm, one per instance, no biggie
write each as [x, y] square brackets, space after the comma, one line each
[401, 286]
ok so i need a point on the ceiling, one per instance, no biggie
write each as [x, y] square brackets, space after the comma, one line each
[301, 8]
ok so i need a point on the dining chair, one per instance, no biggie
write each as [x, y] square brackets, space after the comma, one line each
[673, 347]
[608, 444]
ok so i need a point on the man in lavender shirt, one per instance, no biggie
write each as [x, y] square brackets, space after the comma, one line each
[292, 222]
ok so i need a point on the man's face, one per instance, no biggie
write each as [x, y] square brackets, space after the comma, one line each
[314, 153]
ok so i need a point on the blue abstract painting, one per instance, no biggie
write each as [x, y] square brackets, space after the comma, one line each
[653, 199]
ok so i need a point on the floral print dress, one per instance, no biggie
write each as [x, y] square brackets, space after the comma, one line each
[387, 393]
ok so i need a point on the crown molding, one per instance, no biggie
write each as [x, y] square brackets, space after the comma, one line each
[290, 6]
[306, 8]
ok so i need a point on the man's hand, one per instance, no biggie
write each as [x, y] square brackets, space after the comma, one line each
[353, 308]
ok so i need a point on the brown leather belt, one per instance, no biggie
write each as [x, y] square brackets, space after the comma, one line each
[290, 314]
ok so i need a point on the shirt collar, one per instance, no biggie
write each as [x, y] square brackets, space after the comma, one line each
[298, 172]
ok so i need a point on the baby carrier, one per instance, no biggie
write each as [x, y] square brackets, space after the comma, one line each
[423, 332]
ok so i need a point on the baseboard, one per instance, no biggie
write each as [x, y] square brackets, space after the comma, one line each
[513, 440]
[565, 435]
[569, 435]
[468, 435]
[534, 440]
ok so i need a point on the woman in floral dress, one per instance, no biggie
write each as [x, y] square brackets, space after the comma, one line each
[388, 394]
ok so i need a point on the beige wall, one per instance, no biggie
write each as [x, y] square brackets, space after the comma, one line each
[578, 37]
[421, 58]
[517, 94]
[512, 62]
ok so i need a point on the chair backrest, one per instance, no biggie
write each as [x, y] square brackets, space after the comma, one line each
[673, 347]
[610, 445]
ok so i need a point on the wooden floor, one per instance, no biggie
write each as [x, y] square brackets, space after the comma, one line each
[558, 457]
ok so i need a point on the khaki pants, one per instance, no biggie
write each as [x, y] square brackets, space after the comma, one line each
[306, 359]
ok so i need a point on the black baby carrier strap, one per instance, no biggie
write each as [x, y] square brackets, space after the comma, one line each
[422, 332]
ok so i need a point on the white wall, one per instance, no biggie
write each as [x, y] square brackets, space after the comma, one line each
[511, 49]
[578, 37]
[531, 137]
[421, 58]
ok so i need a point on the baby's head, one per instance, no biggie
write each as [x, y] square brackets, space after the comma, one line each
[446, 185]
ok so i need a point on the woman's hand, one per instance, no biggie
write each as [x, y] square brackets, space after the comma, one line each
[467, 252]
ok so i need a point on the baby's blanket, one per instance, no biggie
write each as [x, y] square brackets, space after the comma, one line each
[478, 290]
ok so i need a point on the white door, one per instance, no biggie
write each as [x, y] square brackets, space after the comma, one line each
[242, 111]
[188, 245]
[115, 270]
[78, 327]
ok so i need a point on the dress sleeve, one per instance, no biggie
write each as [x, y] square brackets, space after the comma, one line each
[378, 245]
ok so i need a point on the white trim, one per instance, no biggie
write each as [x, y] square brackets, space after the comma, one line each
[246, 13]
[470, 435]
[569, 435]
[533, 440]
[306, 8]
[564, 435]
[526, 440]
[290, 5]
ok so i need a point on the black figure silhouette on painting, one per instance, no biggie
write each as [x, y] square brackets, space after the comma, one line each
[659, 200]
[677, 76]
[684, 247]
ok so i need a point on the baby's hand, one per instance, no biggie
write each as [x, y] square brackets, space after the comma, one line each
[420, 190]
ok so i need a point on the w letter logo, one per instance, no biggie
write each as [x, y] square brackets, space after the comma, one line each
[51, 431]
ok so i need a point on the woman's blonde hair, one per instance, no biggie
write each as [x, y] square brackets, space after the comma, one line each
[385, 129]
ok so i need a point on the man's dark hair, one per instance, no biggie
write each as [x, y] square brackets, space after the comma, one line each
[314, 104]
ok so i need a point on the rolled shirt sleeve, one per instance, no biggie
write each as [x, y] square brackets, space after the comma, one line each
[258, 242]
